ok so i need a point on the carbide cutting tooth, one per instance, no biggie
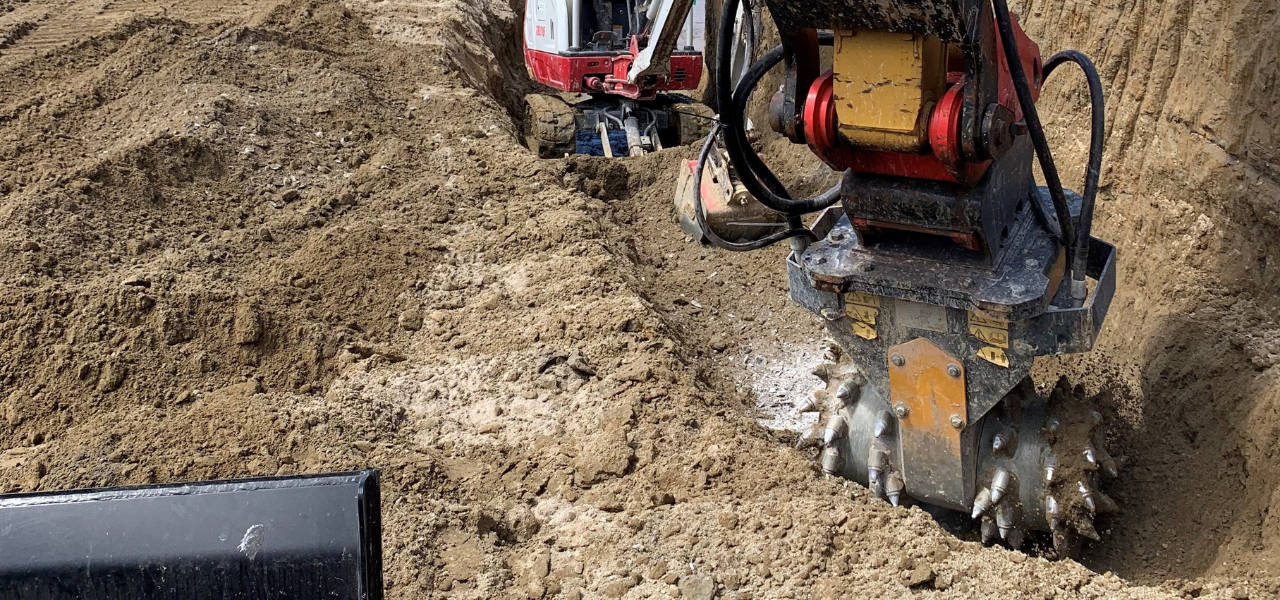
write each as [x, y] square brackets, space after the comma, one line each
[808, 439]
[883, 422]
[999, 485]
[807, 405]
[999, 441]
[1087, 494]
[981, 503]
[1053, 423]
[1004, 520]
[875, 467]
[831, 460]
[1015, 539]
[1052, 512]
[836, 428]
[989, 531]
[1095, 417]
[847, 391]
[1090, 455]
[1050, 467]
[1105, 461]
[1085, 527]
[1105, 504]
[893, 488]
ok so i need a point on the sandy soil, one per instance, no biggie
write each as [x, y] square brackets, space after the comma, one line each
[278, 237]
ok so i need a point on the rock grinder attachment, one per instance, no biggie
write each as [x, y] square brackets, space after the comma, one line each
[938, 265]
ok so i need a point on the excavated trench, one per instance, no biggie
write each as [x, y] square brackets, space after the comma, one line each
[1189, 347]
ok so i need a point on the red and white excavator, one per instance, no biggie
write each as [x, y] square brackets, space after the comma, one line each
[624, 59]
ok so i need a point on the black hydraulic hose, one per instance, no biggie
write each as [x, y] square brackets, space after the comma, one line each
[794, 228]
[732, 117]
[1019, 76]
[1093, 172]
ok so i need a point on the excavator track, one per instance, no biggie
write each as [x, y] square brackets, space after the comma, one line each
[548, 126]
[1040, 460]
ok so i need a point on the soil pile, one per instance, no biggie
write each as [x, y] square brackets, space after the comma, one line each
[303, 237]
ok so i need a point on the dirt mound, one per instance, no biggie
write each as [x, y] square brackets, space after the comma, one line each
[306, 238]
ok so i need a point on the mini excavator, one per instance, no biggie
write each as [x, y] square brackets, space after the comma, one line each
[628, 58]
[937, 264]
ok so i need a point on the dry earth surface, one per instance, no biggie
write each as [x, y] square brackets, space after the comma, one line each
[300, 236]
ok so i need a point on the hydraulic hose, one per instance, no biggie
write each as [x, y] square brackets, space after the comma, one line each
[1034, 127]
[755, 176]
[1093, 171]
[794, 227]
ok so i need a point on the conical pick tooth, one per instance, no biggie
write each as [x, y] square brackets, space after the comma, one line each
[1051, 511]
[1087, 494]
[1004, 520]
[989, 531]
[1090, 455]
[808, 438]
[1105, 504]
[999, 485]
[1085, 527]
[831, 460]
[999, 441]
[893, 488]
[1053, 423]
[981, 503]
[1015, 538]
[1050, 467]
[807, 405]
[1059, 534]
[847, 391]
[1105, 461]
[883, 421]
[836, 428]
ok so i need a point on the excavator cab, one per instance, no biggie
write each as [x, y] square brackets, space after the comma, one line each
[618, 67]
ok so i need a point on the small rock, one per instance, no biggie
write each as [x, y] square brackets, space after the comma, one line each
[658, 570]
[410, 320]
[718, 344]
[609, 505]
[921, 575]
[619, 587]
[362, 446]
[579, 363]
[728, 520]
[661, 498]
[634, 372]
[541, 566]
[697, 587]
[290, 195]
[573, 594]
[1018, 557]
[113, 375]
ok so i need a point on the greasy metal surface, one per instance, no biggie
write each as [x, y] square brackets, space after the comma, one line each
[1070, 330]
[932, 457]
[1017, 288]
[885, 85]
[861, 417]
[989, 209]
[285, 537]
[942, 18]
[1026, 461]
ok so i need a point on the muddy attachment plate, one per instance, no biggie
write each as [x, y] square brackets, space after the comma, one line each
[316, 536]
